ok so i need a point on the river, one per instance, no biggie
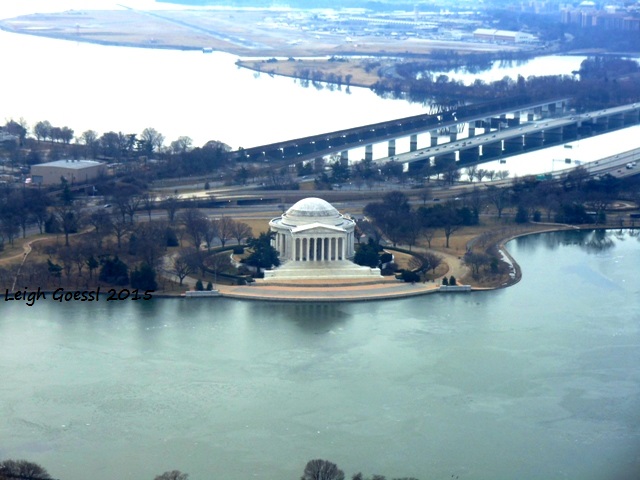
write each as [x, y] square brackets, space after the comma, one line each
[203, 96]
[539, 380]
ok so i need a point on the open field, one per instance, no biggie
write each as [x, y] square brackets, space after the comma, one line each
[242, 32]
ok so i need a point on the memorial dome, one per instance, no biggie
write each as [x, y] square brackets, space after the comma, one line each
[312, 210]
[312, 207]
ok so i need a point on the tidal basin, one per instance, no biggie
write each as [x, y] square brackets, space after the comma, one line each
[539, 380]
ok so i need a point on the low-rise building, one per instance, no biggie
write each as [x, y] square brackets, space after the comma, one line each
[73, 171]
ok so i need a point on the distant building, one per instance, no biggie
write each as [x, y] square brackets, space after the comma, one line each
[610, 18]
[8, 137]
[73, 171]
[505, 36]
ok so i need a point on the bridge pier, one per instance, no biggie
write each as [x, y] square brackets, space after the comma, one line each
[344, 156]
[472, 131]
[417, 165]
[632, 118]
[569, 132]
[434, 138]
[534, 140]
[469, 155]
[514, 145]
[616, 121]
[368, 152]
[413, 143]
[318, 164]
[453, 136]
[601, 124]
[552, 136]
[491, 150]
[391, 151]
[584, 129]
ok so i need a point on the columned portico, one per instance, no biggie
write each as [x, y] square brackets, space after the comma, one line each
[321, 249]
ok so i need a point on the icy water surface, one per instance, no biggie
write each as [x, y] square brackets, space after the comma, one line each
[540, 380]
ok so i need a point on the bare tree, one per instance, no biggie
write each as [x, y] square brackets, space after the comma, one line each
[195, 224]
[477, 261]
[10, 469]
[120, 228]
[412, 229]
[218, 263]
[240, 231]
[150, 242]
[173, 475]
[428, 234]
[69, 218]
[499, 197]
[471, 172]
[225, 229]
[181, 265]
[148, 202]
[432, 261]
[151, 139]
[322, 470]
[102, 223]
[181, 145]
[210, 233]
[171, 204]
[451, 223]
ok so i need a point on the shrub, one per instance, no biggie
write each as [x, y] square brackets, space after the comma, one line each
[409, 276]
[199, 286]
[389, 269]
[171, 237]
[522, 216]
[238, 250]
[386, 257]
[537, 216]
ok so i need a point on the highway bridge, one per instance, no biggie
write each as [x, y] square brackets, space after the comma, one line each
[526, 136]
[493, 130]
[449, 120]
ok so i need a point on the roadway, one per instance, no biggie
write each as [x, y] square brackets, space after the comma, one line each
[493, 136]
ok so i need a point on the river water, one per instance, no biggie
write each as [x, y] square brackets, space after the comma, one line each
[539, 380]
[203, 96]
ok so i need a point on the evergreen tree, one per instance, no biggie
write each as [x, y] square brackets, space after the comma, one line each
[114, 271]
[144, 278]
[263, 255]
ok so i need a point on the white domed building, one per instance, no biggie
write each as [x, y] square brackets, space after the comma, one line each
[315, 241]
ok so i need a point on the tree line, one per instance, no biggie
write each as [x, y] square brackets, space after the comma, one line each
[617, 82]
[317, 469]
[577, 198]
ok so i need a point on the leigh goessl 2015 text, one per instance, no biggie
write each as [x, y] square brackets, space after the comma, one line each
[61, 295]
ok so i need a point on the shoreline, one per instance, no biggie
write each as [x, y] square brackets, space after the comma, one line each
[349, 291]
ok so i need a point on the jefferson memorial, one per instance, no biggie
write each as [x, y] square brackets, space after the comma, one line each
[315, 241]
